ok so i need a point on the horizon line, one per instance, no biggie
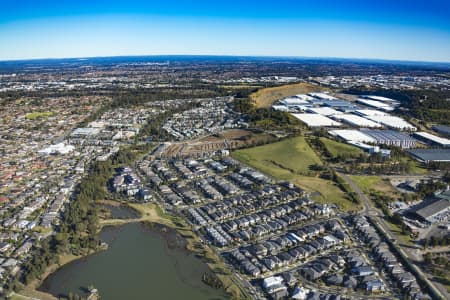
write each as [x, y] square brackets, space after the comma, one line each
[230, 55]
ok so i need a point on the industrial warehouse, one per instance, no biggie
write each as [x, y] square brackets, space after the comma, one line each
[435, 209]
[324, 110]
[358, 121]
[316, 120]
[442, 129]
[391, 138]
[373, 136]
[430, 155]
[431, 139]
[352, 135]
[366, 123]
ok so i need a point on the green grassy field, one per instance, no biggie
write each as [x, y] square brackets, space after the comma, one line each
[376, 183]
[281, 159]
[395, 229]
[325, 191]
[336, 148]
[39, 114]
[416, 167]
[290, 160]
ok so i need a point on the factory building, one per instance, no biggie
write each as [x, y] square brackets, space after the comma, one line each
[325, 111]
[391, 138]
[382, 99]
[293, 101]
[316, 120]
[357, 121]
[393, 122]
[85, 131]
[341, 105]
[352, 135]
[376, 104]
[430, 155]
[323, 96]
[432, 210]
[442, 129]
[432, 139]
[369, 113]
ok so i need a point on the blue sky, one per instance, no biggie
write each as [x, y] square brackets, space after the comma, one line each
[397, 29]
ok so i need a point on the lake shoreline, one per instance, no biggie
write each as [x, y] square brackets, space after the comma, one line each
[152, 214]
[32, 289]
[160, 257]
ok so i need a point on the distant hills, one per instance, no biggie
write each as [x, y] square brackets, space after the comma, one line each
[167, 59]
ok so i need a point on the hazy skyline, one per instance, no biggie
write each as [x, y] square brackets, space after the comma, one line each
[399, 30]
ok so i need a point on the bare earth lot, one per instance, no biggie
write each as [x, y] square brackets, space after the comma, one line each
[265, 97]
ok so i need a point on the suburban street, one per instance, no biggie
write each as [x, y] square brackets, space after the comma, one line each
[413, 255]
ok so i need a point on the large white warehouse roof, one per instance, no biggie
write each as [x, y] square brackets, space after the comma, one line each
[325, 111]
[304, 97]
[84, 131]
[393, 122]
[379, 98]
[355, 120]
[60, 148]
[370, 112]
[293, 101]
[316, 120]
[376, 104]
[322, 96]
[352, 135]
[433, 138]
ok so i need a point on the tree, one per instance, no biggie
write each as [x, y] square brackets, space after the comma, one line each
[426, 243]
[446, 177]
